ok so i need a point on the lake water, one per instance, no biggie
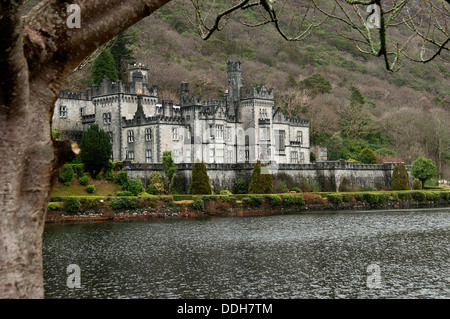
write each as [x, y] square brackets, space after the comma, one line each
[317, 255]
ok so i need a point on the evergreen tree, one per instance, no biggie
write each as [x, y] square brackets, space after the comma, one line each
[169, 168]
[200, 180]
[316, 83]
[104, 65]
[96, 150]
[367, 156]
[423, 169]
[400, 178]
[122, 54]
[356, 98]
[260, 183]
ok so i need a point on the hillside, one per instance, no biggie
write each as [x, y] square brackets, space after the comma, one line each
[400, 115]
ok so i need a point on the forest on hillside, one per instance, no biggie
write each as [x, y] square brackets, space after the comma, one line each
[352, 101]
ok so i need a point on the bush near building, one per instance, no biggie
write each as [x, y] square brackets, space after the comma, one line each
[200, 180]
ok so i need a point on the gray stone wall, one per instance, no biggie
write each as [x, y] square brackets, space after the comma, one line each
[223, 176]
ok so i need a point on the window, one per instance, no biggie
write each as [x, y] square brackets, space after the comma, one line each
[294, 157]
[211, 154]
[177, 156]
[211, 131]
[263, 114]
[279, 141]
[106, 118]
[175, 134]
[264, 133]
[302, 158]
[300, 137]
[130, 135]
[110, 134]
[130, 155]
[148, 156]
[148, 134]
[247, 155]
[62, 111]
[228, 134]
[219, 129]
[81, 111]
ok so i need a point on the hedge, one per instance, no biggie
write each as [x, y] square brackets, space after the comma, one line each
[335, 198]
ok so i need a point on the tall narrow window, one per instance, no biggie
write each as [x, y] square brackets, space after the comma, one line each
[130, 136]
[106, 118]
[148, 156]
[175, 134]
[302, 158]
[300, 137]
[148, 134]
[130, 155]
[294, 157]
[62, 111]
[219, 129]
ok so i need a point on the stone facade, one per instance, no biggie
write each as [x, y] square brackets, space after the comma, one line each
[242, 127]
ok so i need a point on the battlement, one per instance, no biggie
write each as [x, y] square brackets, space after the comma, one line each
[234, 66]
[87, 95]
[257, 92]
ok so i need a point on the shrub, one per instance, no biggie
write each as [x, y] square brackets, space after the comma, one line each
[246, 200]
[374, 198]
[122, 178]
[299, 200]
[257, 200]
[124, 193]
[367, 156]
[240, 186]
[78, 169]
[260, 183]
[296, 189]
[134, 185]
[231, 199]
[96, 149]
[359, 197]
[198, 203]
[225, 192]
[434, 196]
[417, 184]
[109, 175]
[419, 196]
[90, 189]
[404, 195]
[124, 203]
[345, 186]
[445, 195]
[66, 183]
[84, 180]
[288, 199]
[54, 206]
[156, 186]
[72, 204]
[346, 197]
[66, 173]
[400, 178]
[210, 197]
[305, 186]
[117, 166]
[200, 180]
[275, 199]
[335, 198]
[98, 177]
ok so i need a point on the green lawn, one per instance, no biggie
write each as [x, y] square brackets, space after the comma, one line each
[102, 188]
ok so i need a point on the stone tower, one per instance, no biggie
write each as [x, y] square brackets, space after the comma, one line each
[235, 82]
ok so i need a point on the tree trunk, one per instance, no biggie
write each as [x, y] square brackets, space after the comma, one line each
[37, 54]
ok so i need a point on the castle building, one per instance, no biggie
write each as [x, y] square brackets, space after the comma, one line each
[242, 127]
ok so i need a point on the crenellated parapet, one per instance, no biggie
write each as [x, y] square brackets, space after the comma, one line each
[81, 95]
[257, 92]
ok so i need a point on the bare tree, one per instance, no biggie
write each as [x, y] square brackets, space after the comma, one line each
[38, 53]
[378, 34]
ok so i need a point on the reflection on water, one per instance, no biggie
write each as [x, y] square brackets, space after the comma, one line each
[323, 255]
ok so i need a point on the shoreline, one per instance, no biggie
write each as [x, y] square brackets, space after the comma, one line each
[155, 210]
